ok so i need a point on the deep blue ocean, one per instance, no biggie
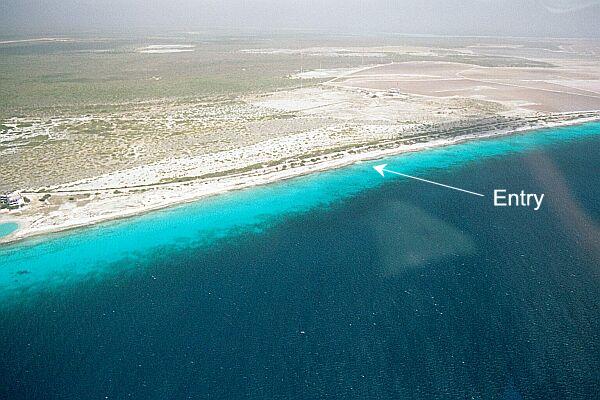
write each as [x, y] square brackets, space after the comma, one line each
[341, 284]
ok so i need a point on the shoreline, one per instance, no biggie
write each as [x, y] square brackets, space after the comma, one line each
[118, 206]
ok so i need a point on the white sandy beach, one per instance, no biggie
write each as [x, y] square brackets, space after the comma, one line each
[102, 204]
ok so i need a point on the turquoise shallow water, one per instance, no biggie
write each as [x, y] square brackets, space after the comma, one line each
[56, 260]
[8, 228]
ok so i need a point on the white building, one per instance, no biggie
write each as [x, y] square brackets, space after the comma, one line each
[12, 200]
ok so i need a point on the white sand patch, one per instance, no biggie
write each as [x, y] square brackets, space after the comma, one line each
[165, 51]
[301, 99]
[169, 46]
[166, 48]
[37, 40]
[320, 52]
[325, 73]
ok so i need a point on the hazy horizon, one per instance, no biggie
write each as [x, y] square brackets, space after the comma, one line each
[538, 18]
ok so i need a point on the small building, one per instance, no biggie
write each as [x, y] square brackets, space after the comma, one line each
[12, 200]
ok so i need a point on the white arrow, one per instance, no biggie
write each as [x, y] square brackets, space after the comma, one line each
[381, 168]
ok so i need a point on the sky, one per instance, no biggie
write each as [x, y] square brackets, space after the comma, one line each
[541, 18]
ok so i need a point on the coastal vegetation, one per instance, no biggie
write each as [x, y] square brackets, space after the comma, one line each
[115, 125]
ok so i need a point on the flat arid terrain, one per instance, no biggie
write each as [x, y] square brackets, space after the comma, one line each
[96, 128]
